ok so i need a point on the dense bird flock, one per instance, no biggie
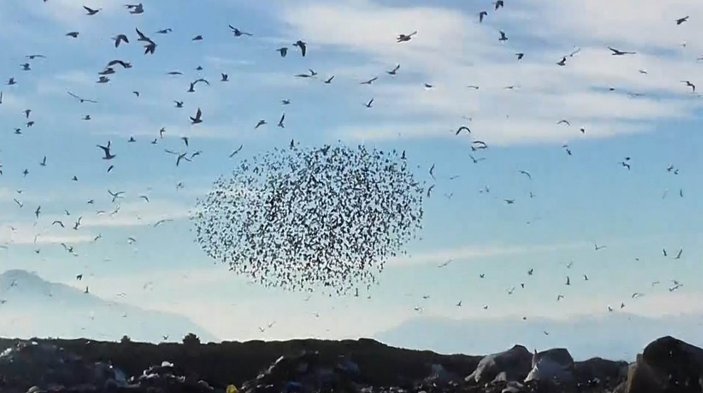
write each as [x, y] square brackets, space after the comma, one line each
[302, 218]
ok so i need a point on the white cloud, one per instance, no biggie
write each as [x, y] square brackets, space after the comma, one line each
[453, 50]
[468, 253]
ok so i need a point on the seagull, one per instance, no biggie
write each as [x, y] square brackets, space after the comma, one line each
[119, 39]
[526, 173]
[179, 104]
[198, 117]
[445, 264]
[405, 37]
[368, 104]
[429, 190]
[499, 4]
[106, 150]
[564, 122]
[135, 8]
[80, 99]
[280, 122]
[198, 38]
[562, 62]
[617, 52]
[370, 81]
[91, 11]
[678, 255]
[225, 77]
[691, 85]
[73, 34]
[463, 128]
[260, 123]
[681, 20]
[282, 51]
[329, 80]
[598, 248]
[520, 55]
[115, 195]
[482, 15]
[568, 280]
[503, 37]
[164, 31]
[302, 45]
[394, 71]
[236, 151]
[239, 33]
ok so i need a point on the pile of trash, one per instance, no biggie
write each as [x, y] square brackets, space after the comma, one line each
[34, 367]
[667, 365]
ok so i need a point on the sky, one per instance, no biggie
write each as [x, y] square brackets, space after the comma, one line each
[634, 106]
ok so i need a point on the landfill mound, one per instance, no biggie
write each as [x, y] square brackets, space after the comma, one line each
[666, 365]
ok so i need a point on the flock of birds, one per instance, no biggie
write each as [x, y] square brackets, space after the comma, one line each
[302, 219]
[326, 216]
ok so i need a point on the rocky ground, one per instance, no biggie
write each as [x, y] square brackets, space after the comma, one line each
[311, 366]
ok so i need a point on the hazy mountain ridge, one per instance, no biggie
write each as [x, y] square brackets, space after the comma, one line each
[615, 336]
[33, 307]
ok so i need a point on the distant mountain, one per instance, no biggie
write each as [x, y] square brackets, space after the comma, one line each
[613, 336]
[32, 307]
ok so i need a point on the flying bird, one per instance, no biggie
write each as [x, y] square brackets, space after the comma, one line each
[120, 39]
[405, 37]
[239, 33]
[617, 52]
[394, 71]
[503, 37]
[91, 11]
[107, 153]
[482, 15]
[681, 20]
[370, 103]
[691, 85]
[302, 45]
[198, 117]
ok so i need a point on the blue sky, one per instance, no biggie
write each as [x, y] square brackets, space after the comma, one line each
[579, 200]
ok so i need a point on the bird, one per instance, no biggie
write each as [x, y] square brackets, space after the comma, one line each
[302, 46]
[617, 52]
[394, 71]
[520, 55]
[678, 255]
[597, 247]
[429, 190]
[280, 122]
[237, 150]
[681, 20]
[691, 85]
[107, 153]
[80, 99]
[73, 34]
[370, 103]
[164, 31]
[568, 280]
[405, 37]
[135, 8]
[482, 15]
[503, 37]
[115, 195]
[91, 11]
[282, 51]
[564, 122]
[260, 123]
[526, 173]
[225, 77]
[370, 81]
[198, 117]
[239, 33]
[197, 38]
[562, 62]
[179, 104]
[328, 80]
[499, 4]
[463, 128]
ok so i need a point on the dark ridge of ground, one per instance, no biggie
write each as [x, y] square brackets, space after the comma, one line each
[235, 362]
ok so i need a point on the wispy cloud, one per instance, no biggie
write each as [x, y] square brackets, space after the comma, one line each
[469, 253]
[468, 53]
